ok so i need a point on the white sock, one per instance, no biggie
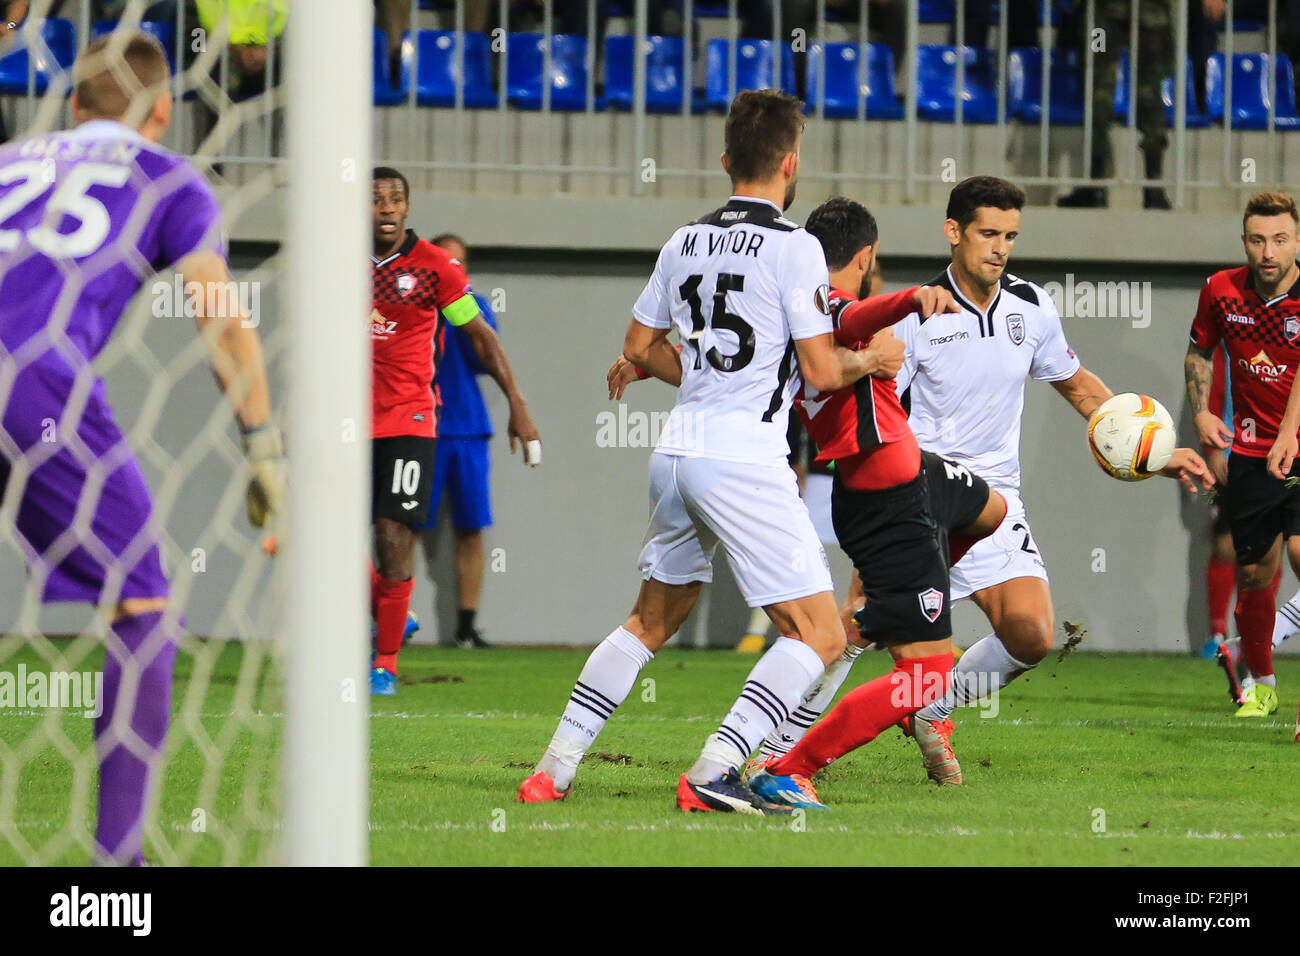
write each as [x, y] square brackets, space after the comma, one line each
[758, 622]
[1287, 622]
[1269, 681]
[815, 701]
[983, 669]
[774, 688]
[604, 683]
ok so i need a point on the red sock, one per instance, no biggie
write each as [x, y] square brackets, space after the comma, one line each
[1255, 613]
[866, 711]
[392, 601]
[374, 586]
[1220, 579]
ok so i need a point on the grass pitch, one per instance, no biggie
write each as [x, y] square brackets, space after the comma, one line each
[1096, 760]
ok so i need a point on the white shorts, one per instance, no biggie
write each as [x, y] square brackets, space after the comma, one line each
[817, 498]
[754, 510]
[1009, 552]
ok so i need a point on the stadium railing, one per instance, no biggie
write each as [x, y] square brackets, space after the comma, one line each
[626, 94]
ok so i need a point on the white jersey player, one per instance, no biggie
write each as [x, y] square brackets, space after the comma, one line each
[746, 291]
[965, 378]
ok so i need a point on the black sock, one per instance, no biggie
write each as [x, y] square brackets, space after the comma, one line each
[465, 620]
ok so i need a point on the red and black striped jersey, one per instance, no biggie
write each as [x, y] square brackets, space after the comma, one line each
[408, 288]
[1262, 339]
[862, 427]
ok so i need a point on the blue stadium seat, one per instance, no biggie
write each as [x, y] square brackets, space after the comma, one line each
[568, 71]
[880, 97]
[60, 36]
[1025, 79]
[1250, 95]
[664, 72]
[753, 70]
[1195, 118]
[384, 91]
[937, 11]
[435, 83]
[164, 31]
[937, 76]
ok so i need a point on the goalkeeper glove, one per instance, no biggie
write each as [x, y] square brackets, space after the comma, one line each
[266, 476]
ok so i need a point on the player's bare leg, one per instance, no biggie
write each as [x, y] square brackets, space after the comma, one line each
[920, 674]
[390, 591]
[131, 724]
[819, 696]
[468, 561]
[822, 691]
[606, 680]
[1254, 614]
[1020, 611]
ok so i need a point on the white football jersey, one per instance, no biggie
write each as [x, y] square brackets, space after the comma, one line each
[740, 286]
[964, 374]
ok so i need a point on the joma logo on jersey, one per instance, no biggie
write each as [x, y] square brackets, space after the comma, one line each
[380, 327]
[1262, 367]
[1239, 319]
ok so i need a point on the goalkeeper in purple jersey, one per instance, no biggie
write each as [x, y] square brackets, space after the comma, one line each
[87, 216]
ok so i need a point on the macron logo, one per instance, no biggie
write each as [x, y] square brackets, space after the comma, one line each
[133, 910]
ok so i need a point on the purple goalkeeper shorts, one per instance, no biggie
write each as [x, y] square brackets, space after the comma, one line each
[84, 515]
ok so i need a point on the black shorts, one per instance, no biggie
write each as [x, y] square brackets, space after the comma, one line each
[1259, 507]
[957, 495]
[1219, 523]
[893, 539]
[402, 478]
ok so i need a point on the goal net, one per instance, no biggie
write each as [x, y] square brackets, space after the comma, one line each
[241, 601]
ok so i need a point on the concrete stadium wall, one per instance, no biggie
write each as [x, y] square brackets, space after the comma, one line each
[561, 558]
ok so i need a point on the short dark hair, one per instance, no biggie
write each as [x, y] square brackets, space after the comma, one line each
[969, 194]
[105, 90]
[1270, 204]
[445, 237]
[388, 172]
[844, 228]
[762, 127]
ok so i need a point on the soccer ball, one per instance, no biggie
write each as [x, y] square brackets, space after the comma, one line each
[1131, 436]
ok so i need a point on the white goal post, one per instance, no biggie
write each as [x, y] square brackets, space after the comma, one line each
[326, 785]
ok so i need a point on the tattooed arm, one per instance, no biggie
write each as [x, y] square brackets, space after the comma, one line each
[1198, 369]
[1084, 391]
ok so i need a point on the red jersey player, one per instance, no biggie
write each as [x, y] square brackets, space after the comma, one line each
[903, 515]
[1255, 311]
[413, 282]
[893, 508]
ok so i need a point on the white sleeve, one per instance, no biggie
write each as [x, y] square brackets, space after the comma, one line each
[805, 287]
[1053, 360]
[906, 331]
[654, 305]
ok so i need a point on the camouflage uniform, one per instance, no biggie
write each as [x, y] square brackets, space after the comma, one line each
[1155, 62]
